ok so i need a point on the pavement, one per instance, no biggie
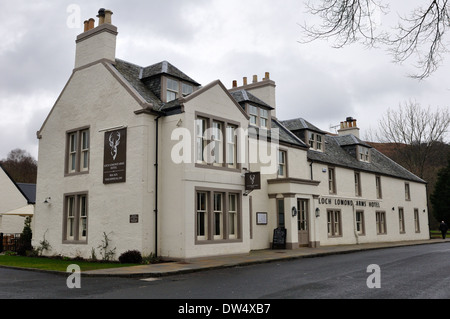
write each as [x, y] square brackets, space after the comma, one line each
[254, 257]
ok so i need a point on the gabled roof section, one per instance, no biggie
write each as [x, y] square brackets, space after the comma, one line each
[242, 96]
[206, 88]
[301, 124]
[165, 67]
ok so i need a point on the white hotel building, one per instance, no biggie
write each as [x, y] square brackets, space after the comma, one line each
[158, 162]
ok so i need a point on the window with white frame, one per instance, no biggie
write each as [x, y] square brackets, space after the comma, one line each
[73, 152]
[363, 154]
[186, 89]
[331, 180]
[217, 138]
[378, 187]
[311, 140]
[232, 216]
[401, 220]
[315, 141]
[380, 219]
[172, 89]
[360, 222]
[264, 118]
[407, 192]
[334, 223]
[416, 220]
[253, 113]
[282, 170]
[202, 215]
[200, 138]
[216, 142]
[357, 184]
[231, 146]
[220, 211]
[78, 148]
[76, 217]
[218, 215]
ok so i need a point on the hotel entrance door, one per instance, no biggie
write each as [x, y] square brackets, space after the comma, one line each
[302, 222]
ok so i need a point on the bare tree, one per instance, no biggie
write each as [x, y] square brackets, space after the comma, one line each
[21, 166]
[420, 34]
[417, 133]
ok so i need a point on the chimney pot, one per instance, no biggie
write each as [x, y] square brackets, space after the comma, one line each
[91, 23]
[234, 83]
[255, 79]
[108, 14]
[101, 16]
[245, 80]
[86, 25]
[267, 76]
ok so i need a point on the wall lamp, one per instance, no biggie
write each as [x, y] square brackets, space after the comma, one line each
[47, 200]
[317, 212]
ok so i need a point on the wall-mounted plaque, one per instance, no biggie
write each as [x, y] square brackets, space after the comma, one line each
[134, 219]
[115, 156]
[252, 180]
[261, 218]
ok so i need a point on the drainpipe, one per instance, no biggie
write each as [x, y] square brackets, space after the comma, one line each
[156, 183]
[311, 168]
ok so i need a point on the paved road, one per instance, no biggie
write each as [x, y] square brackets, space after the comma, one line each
[405, 272]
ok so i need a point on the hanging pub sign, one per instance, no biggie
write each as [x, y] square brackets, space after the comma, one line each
[252, 181]
[115, 156]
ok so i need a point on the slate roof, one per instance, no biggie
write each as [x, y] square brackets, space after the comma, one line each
[135, 75]
[165, 67]
[335, 154]
[242, 96]
[131, 72]
[29, 191]
[287, 136]
[301, 124]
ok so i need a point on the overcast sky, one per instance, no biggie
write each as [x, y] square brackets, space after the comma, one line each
[208, 40]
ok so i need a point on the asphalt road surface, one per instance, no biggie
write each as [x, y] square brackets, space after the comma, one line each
[396, 273]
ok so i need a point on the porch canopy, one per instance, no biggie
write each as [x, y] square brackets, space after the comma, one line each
[24, 211]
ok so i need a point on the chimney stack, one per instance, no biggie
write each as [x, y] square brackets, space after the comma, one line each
[349, 127]
[96, 43]
[264, 89]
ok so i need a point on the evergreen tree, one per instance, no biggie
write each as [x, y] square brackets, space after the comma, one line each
[440, 198]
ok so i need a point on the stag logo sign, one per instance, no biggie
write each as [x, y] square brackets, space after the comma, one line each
[115, 156]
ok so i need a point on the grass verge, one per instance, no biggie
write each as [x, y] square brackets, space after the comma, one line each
[55, 264]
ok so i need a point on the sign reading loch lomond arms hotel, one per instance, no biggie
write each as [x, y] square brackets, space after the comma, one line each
[347, 202]
[115, 156]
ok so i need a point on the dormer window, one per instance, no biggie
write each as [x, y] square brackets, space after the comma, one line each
[315, 141]
[186, 89]
[264, 118]
[172, 90]
[176, 88]
[363, 154]
[253, 112]
[258, 116]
